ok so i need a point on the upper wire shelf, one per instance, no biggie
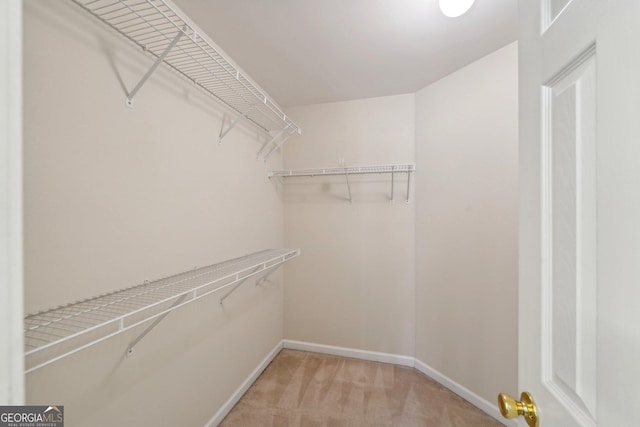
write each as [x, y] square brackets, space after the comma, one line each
[159, 29]
[53, 334]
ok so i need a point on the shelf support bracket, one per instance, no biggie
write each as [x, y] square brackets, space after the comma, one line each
[153, 68]
[275, 147]
[153, 325]
[271, 140]
[346, 175]
[224, 133]
[392, 178]
[240, 282]
[262, 278]
[408, 184]
[271, 269]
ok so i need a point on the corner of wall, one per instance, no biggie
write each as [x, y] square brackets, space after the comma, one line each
[466, 224]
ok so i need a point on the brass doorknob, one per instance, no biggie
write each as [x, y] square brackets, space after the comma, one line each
[511, 408]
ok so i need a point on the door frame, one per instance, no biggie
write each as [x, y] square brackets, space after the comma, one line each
[11, 236]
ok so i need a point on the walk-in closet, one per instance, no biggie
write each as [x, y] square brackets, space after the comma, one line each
[216, 193]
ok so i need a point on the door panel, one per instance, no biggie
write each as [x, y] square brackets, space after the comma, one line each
[569, 237]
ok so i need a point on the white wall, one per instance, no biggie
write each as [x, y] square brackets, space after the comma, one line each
[353, 286]
[466, 225]
[114, 196]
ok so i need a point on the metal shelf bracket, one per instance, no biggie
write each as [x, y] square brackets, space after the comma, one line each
[346, 176]
[264, 267]
[393, 172]
[224, 132]
[153, 67]
[278, 145]
[271, 141]
[264, 277]
[393, 168]
[153, 325]
[240, 282]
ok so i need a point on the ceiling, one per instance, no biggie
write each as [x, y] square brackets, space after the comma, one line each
[313, 51]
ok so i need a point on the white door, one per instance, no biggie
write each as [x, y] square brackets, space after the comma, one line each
[579, 332]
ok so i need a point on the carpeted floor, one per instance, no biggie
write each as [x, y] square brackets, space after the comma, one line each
[309, 389]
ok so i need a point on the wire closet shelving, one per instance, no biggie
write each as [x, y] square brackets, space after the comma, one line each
[351, 170]
[54, 334]
[159, 29]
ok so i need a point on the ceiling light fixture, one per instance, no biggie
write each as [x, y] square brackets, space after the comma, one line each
[455, 8]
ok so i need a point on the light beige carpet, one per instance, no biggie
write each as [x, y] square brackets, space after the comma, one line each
[309, 389]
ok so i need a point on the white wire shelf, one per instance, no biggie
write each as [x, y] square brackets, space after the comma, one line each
[53, 334]
[351, 170]
[342, 170]
[156, 27]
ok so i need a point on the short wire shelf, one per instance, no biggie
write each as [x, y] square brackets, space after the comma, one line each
[352, 170]
[56, 333]
[342, 170]
[158, 28]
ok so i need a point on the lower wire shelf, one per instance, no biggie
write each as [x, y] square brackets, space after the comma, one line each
[54, 334]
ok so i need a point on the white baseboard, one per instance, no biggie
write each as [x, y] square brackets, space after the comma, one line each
[237, 395]
[374, 356]
[477, 401]
[349, 352]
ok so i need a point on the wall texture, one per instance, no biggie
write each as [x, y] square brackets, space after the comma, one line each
[466, 225]
[114, 196]
[353, 286]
